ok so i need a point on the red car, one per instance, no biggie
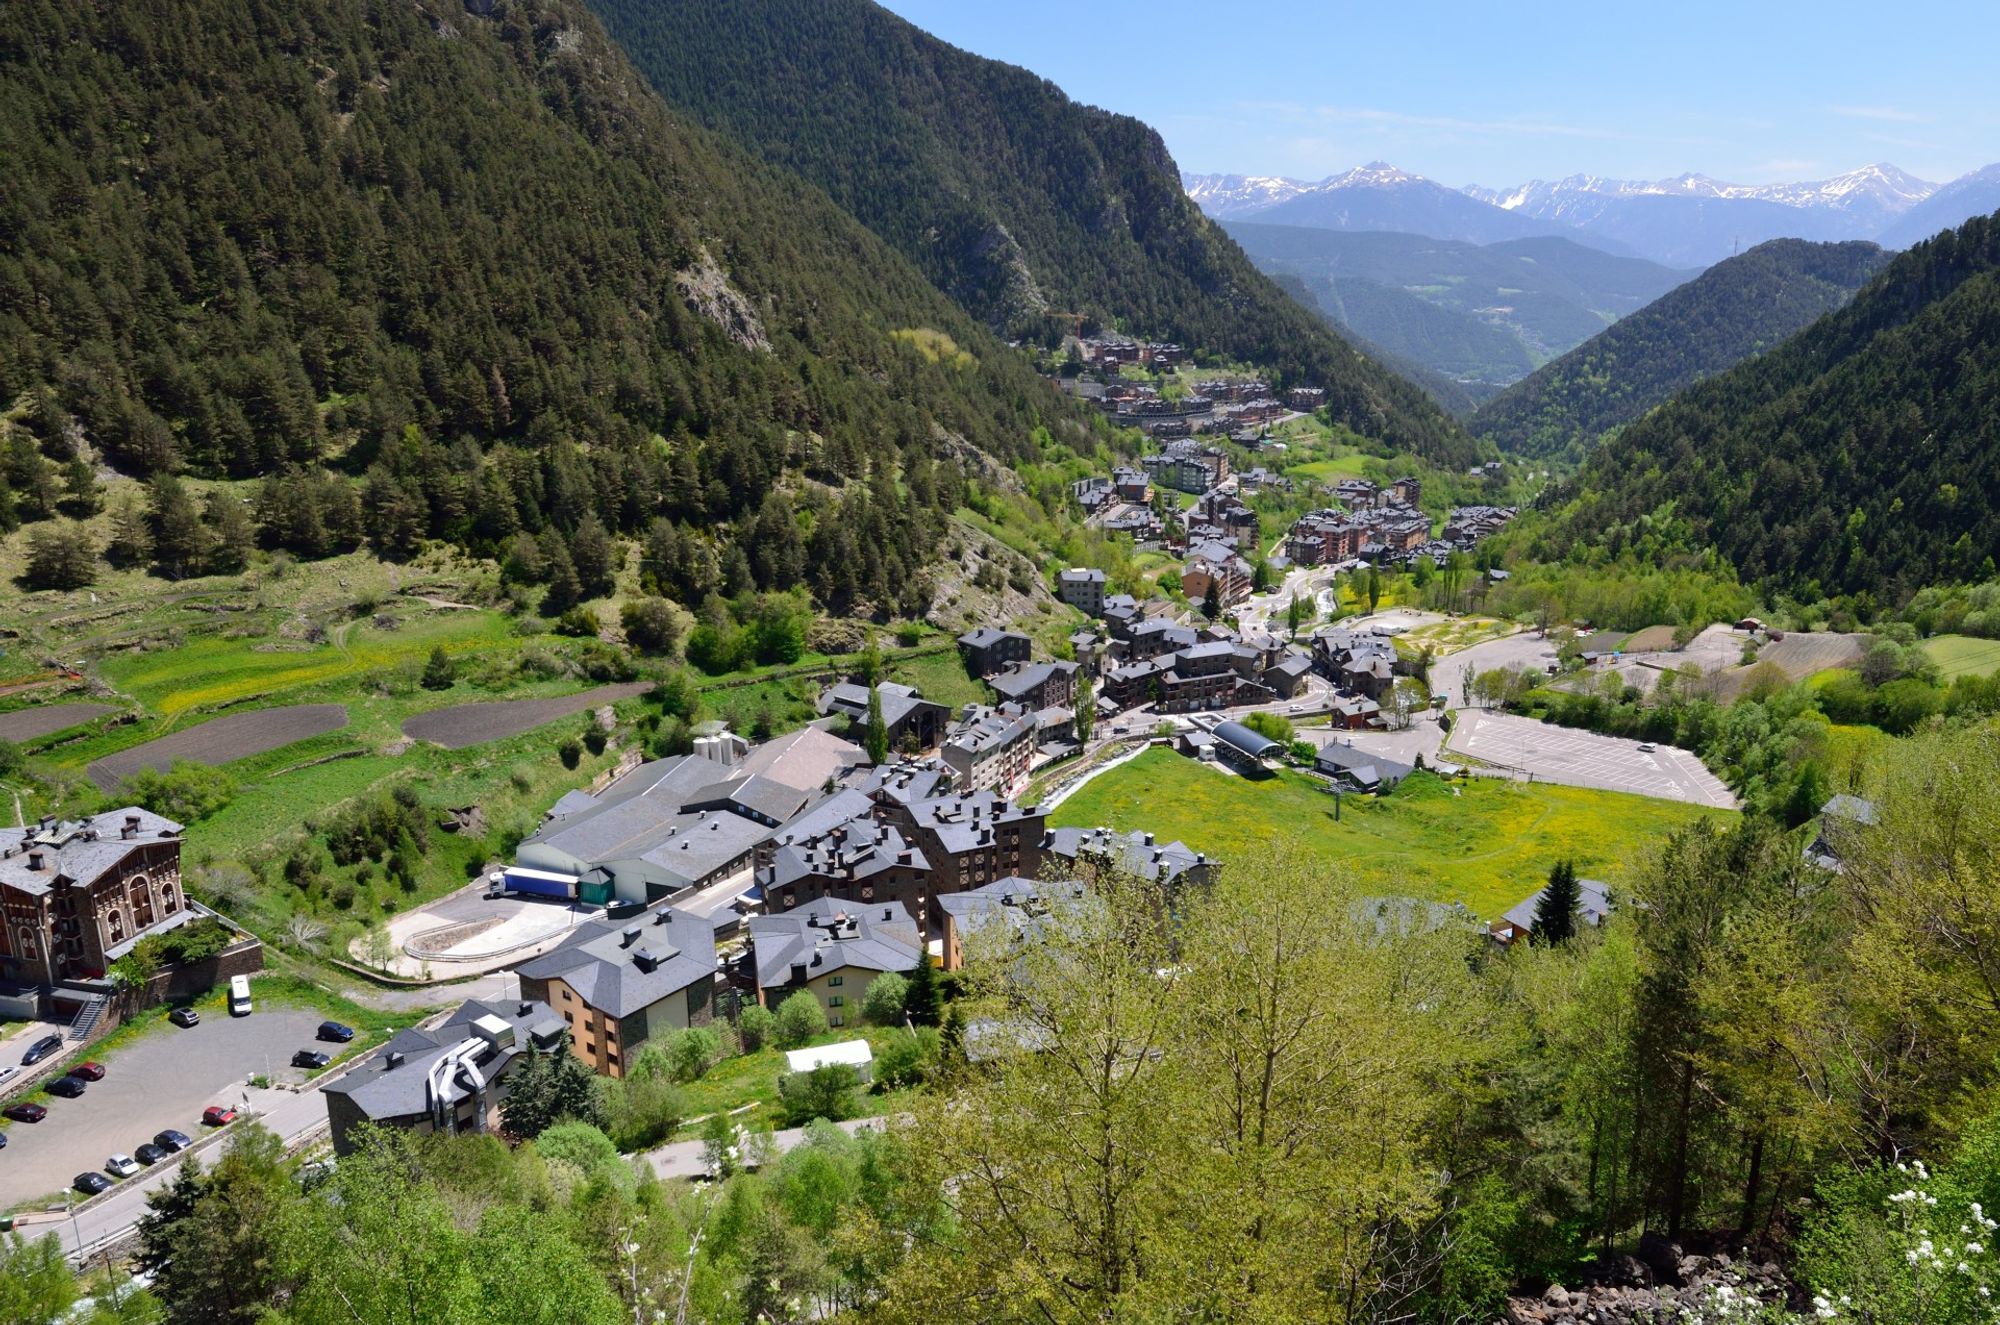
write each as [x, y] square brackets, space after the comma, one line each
[218, 1115]
[25, 1113]
[88, 1071]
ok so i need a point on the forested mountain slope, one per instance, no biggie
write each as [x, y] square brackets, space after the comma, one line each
[1739, 307]
[466, 250]
[1025, 206]
[1479, 313]
[1861, 456]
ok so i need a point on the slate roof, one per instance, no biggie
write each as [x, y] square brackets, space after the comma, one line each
[644, 817]
[1593, 905]
[852, 851]
[386, 1093]
[78, 849]
[1352, 761]
[618, 971]
[828, 935]
[964, 821]
[761, 796]
[1133, 852]
[843, 806]
[1018, 681]
[1849, 807]
[804, 759]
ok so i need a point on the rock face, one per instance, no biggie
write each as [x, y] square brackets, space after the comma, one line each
[708, 292]
[1661, 1286]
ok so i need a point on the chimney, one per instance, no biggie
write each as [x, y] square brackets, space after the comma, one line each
[525, 1009]
[35, 860]
[131, 826]
[631, 936]
[1149, 839]
[888, 913]
[395, 1058]
[662, 916]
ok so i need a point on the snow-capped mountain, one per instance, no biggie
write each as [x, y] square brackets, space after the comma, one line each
[1377, 196]
[1691, 220]
[1872, 195]
[1227, 196]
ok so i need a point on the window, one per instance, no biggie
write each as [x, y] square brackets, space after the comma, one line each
[610, 1037]
[589, 1047]
[611, 1058]
[836, 1001]
[570, 1017]
[836, 1020]
[836, 981]
[566, 998]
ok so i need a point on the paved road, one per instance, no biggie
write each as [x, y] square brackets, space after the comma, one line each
[163, 1080]
[1585, 759]
[683, 1159]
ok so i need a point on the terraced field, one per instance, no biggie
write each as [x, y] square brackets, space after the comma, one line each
[221, 740]
[464, 725]
[45, 719]
[1963, 655]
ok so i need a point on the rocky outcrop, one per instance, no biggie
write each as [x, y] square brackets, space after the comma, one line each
[1663, 1285]
[707, 290]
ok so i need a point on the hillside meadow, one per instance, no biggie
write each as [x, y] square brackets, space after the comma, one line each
[1486, 843]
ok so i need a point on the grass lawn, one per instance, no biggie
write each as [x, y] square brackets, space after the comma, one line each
[752, 1079]
[1332, 470]
[1962, 655]
[1488, 846]
[942, 678]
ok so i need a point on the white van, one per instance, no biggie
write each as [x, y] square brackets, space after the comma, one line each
[239, 995]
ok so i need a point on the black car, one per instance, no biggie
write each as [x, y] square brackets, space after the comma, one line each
[312, 1058]
[93, 1182]
[3, 1140]
[333, 1030]
[184, 1017]
[172, 1141]
[150, 1153]
[41, 1049]
[67, 1087]
[24, 1113]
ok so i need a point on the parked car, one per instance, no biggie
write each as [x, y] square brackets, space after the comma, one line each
[333, 1030]
[172, 1141]
[311, 1058]
[3, 1140]
[9, 1072]
[218, 1115]
[150, 1153]
[41, 1049]
[184, 1017]
[121, 1166]
[24, 1113]
[93, 1182]
[68, 1087]
[1645, 747]
[88, 1071]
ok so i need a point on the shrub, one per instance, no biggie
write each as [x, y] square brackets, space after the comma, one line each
[570, 751]
[689, 1052]
[824, 1092]
[883, 1003]
[595, 738]
[798, 1019]
[644, 1110]
[439, 672]
[187, 792]
[650, 626]
[907, 1060]
[754, 1027]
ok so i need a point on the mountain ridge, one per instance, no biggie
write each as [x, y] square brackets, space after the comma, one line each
[1739, 307]
[957, 161]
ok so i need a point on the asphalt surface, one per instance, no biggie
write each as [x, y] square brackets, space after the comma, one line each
[1584, 759]
[163, 1080]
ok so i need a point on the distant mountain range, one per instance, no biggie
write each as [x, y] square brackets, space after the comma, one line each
[1480, 315]
[1690, 220]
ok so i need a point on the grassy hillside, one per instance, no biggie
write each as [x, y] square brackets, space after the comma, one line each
[1860, 457]
[1025, 206]
[1487, 844]
[1739, 307]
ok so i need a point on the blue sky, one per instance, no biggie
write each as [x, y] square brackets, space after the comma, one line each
[1753, 91]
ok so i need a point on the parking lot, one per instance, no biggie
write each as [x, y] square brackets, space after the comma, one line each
[162, 1080]
[1584, 759]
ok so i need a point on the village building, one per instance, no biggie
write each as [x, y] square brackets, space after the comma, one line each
[617, 983]
[1082, 587]
[987, 650]
[77, 894]
[833, 950]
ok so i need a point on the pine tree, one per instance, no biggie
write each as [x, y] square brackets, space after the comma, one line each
[1556, 912]
[878, 731]
[231, 537]
[923, 1004]
[131, 540]
[565, 591]
[180, 544]
[439, 673]
[1211, 602]
[60, 556]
